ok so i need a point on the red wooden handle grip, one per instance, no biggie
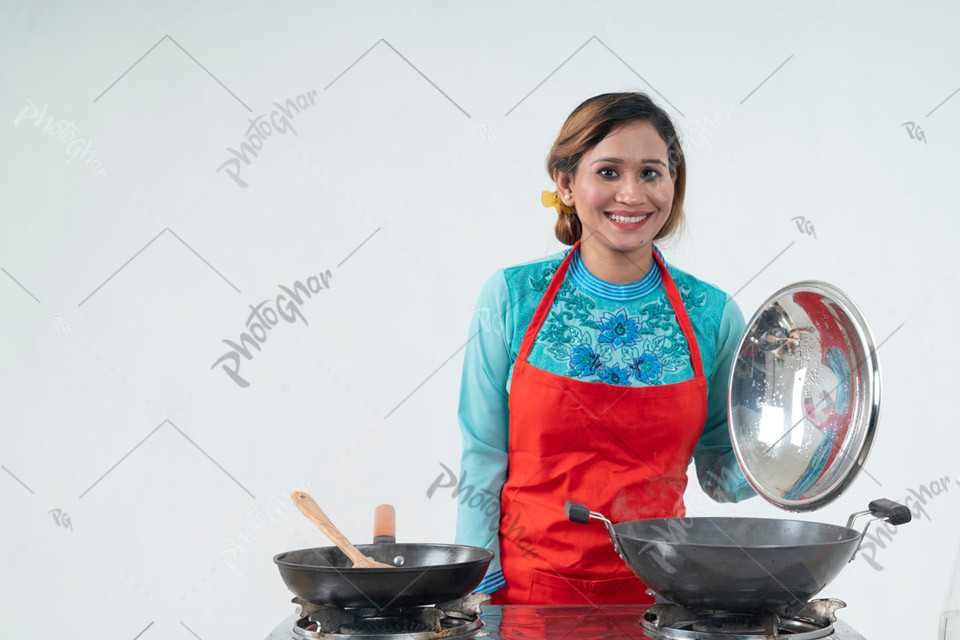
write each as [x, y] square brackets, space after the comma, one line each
[385, 521]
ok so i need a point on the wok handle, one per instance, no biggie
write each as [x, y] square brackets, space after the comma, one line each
[881, 509]
[576, 512]
[892, 512]
[580, 513]
[385, 524]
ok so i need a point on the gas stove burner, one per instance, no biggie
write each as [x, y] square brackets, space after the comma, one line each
[383, 625]
[387, 628]
[665, 620]
[459, 618]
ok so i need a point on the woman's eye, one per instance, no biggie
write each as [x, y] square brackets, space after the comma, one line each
[651, 173]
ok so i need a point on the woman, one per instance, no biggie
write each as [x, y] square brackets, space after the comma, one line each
[596, 373]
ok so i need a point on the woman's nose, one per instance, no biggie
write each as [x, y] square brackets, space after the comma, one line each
[631, 192]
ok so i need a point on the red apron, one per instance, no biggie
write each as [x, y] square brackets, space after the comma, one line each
[621, 450]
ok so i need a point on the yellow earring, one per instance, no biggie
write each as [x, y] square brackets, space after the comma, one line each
[553, 199]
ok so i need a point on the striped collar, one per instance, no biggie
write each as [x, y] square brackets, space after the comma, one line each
[646, 285]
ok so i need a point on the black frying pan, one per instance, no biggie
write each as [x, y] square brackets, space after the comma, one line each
[430, 574]
[421, 574]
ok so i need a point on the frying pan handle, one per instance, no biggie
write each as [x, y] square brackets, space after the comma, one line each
[385, 524]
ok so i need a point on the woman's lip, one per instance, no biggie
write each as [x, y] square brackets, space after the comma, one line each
[643, 219]
[628, 214]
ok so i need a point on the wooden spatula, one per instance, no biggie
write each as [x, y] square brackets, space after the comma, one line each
[309, 507]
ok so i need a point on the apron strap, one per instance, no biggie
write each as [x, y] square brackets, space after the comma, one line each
[544, 307]
[681, 312]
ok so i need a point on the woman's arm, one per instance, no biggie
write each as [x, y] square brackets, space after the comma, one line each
[719, 473]
[483, 417]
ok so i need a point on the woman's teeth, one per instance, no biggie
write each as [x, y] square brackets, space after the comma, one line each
[628, 220]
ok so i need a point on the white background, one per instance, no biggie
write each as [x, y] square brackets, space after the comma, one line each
[415, 175]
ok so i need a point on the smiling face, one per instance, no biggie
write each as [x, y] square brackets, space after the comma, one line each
[623, 192]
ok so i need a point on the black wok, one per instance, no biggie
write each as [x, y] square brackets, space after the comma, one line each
[421, 574]
[737, 564]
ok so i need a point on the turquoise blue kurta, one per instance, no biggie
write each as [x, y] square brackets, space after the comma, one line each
[596, 331]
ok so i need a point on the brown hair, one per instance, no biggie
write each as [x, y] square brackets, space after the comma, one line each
[590, 123]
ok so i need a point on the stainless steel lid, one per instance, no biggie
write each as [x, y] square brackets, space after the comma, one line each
[804, 396]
